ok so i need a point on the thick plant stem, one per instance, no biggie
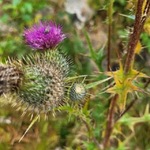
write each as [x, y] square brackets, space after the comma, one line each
[134, 37]
[141, 15]
[110, 121]
[110, 12]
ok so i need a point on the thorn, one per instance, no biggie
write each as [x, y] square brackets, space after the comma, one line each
[31, 124]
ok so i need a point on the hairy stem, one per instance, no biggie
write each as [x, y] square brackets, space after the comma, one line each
[140, 18]
[110, 121]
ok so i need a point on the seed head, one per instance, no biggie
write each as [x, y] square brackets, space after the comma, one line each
[45, 35]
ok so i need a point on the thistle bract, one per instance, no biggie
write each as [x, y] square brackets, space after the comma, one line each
[44, 36]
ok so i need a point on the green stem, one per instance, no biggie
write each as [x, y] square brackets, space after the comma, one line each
[110, 13]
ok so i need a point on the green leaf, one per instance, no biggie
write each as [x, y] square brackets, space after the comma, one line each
[92, 52]
[129, 16]
[93, 84]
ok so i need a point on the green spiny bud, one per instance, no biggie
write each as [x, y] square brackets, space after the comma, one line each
[77, 92]
[43, 85]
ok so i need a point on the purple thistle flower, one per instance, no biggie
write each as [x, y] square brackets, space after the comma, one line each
[44, 35]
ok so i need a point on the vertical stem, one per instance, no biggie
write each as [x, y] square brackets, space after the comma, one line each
[140, 18]
[110, 12]
[134, 37]
[110, 121]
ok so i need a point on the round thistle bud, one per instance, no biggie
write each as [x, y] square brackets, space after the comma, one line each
[10, 78]
[44, 36]
[77, 92]
[43, 85]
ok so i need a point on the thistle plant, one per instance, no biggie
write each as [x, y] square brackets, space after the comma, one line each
[41, 87]
[39, 82]
[42, 83]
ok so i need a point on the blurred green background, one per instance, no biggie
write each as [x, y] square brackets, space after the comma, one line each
[85, 23]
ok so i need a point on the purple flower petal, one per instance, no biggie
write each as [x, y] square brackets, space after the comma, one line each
[44, 35]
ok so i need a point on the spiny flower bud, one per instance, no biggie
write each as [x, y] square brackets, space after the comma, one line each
[43, 85]
[43, 82]
[46, 35]
[77, 92]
